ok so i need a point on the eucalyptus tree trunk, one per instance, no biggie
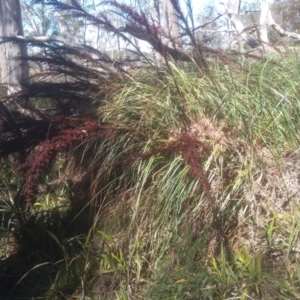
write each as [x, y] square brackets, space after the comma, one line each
[14, 71]
[172, 23]
[263, 21]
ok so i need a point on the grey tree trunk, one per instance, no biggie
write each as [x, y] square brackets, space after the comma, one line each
[14, 71]
[172, 23]
[263, 21]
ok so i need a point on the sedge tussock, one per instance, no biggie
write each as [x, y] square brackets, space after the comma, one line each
[192, 184]
[202, 161]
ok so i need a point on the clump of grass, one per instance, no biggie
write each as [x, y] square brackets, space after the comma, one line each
[245, 128]
[191, 185]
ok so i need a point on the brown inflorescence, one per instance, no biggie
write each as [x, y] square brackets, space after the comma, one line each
[75, 131]
[69, 132]
[191, 149]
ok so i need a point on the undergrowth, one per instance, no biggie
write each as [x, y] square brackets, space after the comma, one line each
[180, 186]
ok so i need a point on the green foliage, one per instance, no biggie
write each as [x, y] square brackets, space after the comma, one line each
[186, 189]
[182, 273]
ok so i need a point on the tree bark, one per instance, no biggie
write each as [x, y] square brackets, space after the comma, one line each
[172, 23]
[263, 21]
[14, 71]
[232, 9]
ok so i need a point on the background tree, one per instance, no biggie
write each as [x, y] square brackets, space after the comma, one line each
[36, 19]
[171, 21]
[287, 14]
[211, 32]
[236, 26]
[14, 71]
[254, 23]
